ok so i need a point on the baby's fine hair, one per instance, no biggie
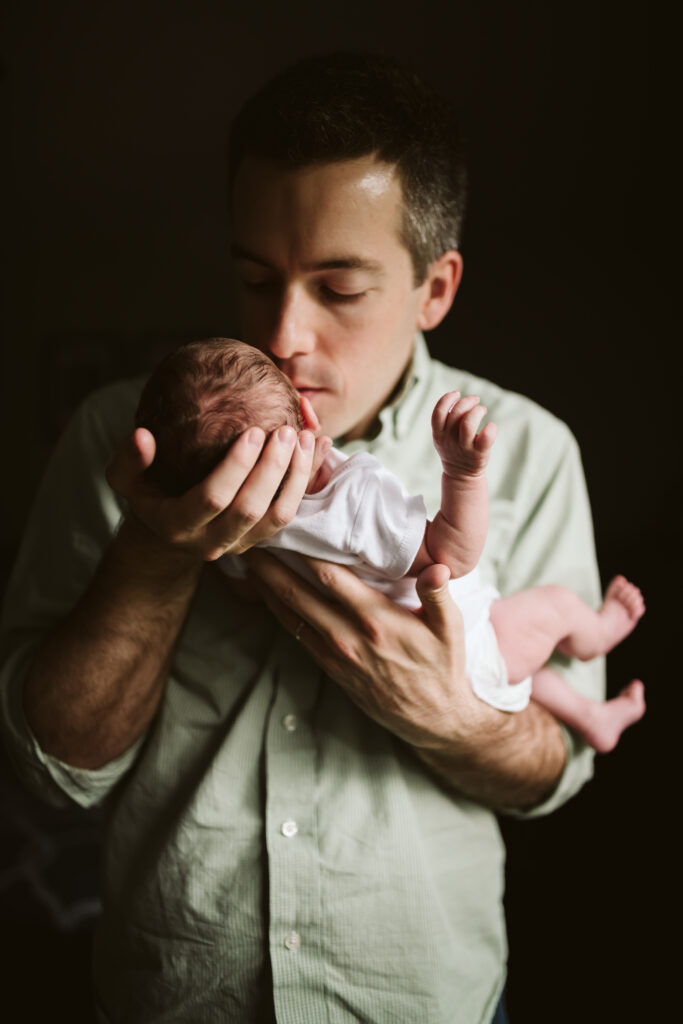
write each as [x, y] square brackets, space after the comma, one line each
[199, 400]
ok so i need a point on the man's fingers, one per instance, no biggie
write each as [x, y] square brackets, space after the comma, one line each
[287, 595]
[327, 614]
[250, 516]
[254, 499]
[284, 508]
[211, 496]
[290, 597]
[130, 460]
[236, 498]
[348, 590]
[301, 628]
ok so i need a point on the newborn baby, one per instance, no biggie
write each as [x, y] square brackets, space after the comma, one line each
[205, 394]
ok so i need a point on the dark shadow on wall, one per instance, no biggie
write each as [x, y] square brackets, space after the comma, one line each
[568, 296]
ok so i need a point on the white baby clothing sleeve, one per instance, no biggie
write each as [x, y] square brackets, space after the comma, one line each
[389, 524]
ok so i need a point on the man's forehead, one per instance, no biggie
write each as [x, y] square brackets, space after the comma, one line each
[337, 212]
[378, 178]
[259, 180]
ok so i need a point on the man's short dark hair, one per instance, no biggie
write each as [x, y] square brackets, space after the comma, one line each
[342, 106]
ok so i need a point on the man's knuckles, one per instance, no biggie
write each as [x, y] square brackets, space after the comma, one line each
[281, 513]
[344, 646]
[212, 501]
[212, 554]
[327, 573]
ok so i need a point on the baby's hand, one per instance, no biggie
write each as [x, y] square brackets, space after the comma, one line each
[455, 422]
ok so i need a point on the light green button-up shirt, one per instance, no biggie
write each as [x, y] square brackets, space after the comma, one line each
[266, 839]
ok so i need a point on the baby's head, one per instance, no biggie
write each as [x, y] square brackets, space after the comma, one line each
[201, 398]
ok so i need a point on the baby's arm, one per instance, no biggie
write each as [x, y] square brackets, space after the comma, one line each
[456, 536]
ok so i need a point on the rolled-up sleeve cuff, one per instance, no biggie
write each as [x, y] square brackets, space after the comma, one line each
[46, 776]
[87, 786]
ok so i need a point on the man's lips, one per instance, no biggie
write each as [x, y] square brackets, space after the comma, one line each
[308, 389]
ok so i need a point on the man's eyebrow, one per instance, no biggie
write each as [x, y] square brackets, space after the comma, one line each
[335, 263]
[347, 263]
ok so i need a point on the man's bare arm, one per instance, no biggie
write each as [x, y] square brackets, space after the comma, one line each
[514, 761]
[98, 677]
[407, 671]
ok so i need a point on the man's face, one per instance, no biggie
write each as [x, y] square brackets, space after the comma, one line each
[326, 287]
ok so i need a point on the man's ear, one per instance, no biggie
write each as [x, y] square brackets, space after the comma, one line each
[439, 288]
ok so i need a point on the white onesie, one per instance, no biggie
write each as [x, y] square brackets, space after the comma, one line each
[365, 519]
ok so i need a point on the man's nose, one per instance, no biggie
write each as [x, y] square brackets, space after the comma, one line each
[295, 330]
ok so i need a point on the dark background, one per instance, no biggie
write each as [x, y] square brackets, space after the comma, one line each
[115, 249]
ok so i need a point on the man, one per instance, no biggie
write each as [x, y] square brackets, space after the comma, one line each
[299, 789]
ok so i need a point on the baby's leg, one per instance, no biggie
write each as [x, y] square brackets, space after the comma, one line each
[598, 632]
[532, 623]
[600, 724]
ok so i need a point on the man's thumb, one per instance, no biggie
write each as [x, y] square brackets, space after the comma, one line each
[438, 608]
[130, 460]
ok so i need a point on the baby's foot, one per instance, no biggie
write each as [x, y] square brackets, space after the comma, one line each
[455, 422]
[621, 609]
[607, 721]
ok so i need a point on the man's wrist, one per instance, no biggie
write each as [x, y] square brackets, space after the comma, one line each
[463, 730]
[502, 759]
[151, 555]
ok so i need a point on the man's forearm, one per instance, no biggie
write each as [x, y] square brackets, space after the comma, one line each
[514, 759]
[97, 679]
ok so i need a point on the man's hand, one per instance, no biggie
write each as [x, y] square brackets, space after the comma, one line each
[406, 670]
[236, 505]
[97, 679]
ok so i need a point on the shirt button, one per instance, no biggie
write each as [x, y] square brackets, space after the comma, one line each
[290, 722]
[292, 940]
[289, 829]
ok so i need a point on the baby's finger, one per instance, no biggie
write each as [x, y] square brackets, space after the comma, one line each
[460, 409]
[485, 439]
[323, 443]
[441, 410]
[309, 414]
[469, 424]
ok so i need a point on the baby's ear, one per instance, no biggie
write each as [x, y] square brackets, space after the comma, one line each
[311, 421]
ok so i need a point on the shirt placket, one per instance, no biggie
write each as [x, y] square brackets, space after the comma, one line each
[292, 840]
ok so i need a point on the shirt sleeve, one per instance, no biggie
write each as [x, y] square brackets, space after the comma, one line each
[553, 543]
[74, 517]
